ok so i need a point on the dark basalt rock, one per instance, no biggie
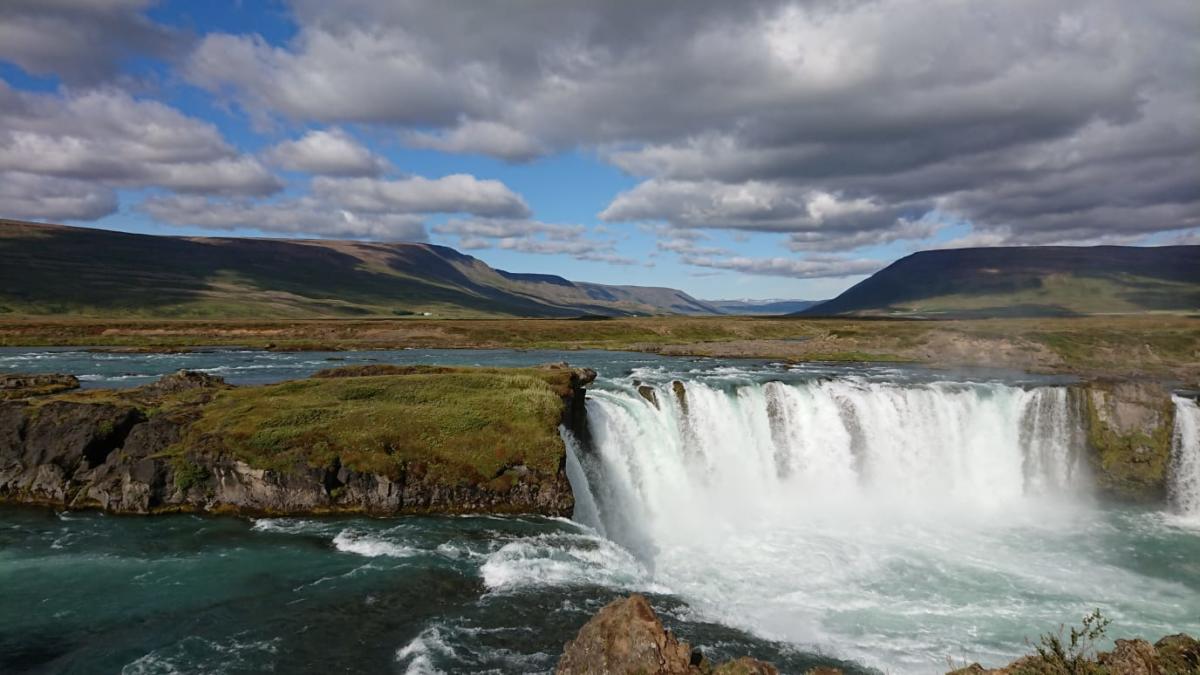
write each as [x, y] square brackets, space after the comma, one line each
[647, 392]
[24, 385]
[183, 380]
[680, 395]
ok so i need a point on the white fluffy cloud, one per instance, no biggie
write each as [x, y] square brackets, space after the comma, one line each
[533, 236]
[486, 138]
[293, 216]
[505, 228]
[109, 139]
[331, 152]
[812, 268]
[841, 125]
[457, 193]
[374, 209]
[24, 195]
[735, 116]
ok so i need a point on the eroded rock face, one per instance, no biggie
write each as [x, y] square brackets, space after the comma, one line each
[626, 637]
[118, 458]
[1131, 657]
[1129, 427]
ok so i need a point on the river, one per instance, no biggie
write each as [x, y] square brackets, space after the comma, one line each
[871, 517]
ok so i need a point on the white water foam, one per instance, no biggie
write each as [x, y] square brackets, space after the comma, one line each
[371, 547]
[1185, 461]
[895, 525]
[564, 559]
[237, 655]
[418, 654]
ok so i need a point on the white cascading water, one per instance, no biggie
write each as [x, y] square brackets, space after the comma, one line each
[1185, 465]
[724, 456]
[832, 514]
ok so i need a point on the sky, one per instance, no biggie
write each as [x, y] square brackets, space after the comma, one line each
[754, 149]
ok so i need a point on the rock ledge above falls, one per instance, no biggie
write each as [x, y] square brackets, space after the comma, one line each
[381, 440]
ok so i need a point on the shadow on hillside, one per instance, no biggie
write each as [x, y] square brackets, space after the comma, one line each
[69, 270]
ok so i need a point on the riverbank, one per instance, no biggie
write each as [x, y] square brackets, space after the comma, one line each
[1160, 346]
[627, 636]
[366, 439]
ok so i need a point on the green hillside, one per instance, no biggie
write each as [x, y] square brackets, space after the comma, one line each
[58, 270]
[1028, 281]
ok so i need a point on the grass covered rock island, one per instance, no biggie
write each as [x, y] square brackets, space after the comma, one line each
[375, 439]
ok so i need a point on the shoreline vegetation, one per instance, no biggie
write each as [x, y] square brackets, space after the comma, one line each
[1163, 347]
[378, 440]
[627, 636]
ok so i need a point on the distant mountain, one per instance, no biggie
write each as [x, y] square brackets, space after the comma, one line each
[762, 307]
[1028, 281]
[59, 270]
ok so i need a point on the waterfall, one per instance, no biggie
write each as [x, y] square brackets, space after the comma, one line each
[694, 456]
[894, 524]
[1185, 464]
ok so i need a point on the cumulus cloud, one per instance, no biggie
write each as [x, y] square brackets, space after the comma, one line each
[331, 152]
[74, 148]
[457, 193]
[24, 195]
[817, 220]
[81, 41]
[486, 138]
[811, 268]
[293, 216]
[532, 236]
[1032, 120]
[505, 228]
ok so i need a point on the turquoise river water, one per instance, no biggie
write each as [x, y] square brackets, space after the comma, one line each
[875, 518]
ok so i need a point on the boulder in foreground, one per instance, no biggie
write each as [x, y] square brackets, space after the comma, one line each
[626, 637]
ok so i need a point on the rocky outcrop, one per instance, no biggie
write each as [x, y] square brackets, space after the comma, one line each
[1172, 655]
[626, 637]
[1129, 426]
[133, 453]
[22, 385]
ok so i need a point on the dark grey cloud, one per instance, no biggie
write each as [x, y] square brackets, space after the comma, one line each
[82, 41]
[1034, 120]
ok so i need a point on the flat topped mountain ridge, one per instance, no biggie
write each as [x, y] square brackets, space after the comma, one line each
[74, 271]
[1027, 281]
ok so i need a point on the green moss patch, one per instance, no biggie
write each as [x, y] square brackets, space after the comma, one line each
[1130, 464]
[459, 423]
